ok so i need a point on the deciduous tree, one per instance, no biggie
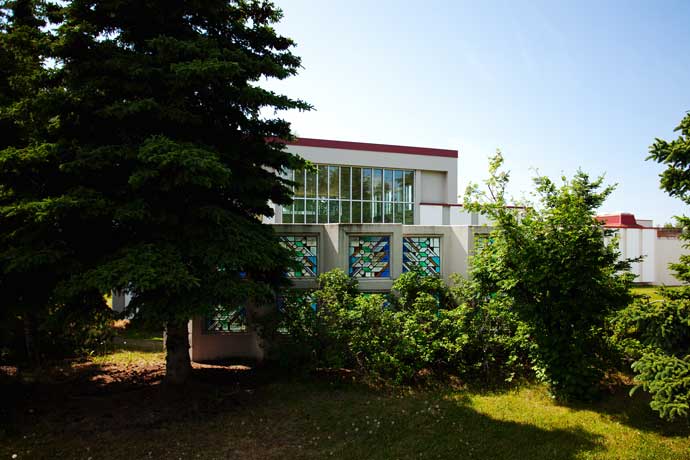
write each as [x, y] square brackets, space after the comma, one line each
[551, 261]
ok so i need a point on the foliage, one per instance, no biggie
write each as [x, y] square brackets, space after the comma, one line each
[552, 264]
[38, 231]
[667, 379]
[655, 335]
[150, 161]
[661, 325]
[417, 331]
[660, 331]
[497, 346]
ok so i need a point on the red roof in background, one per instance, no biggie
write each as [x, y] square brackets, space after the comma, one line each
[622, 220]
[368, 147]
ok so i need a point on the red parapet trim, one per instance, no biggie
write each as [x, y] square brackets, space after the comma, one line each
[368, 147]
[461, 205]
[441, 204]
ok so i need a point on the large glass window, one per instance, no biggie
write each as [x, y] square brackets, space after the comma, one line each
[343, 194]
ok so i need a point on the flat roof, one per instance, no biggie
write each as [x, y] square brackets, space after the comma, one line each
[369, 147]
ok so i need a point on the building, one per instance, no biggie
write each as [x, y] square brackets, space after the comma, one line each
[658, 246]
[376, 211]
[373, 210]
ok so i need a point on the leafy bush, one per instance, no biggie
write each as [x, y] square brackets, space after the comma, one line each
[417, 331]
[551, 263]
[77, 326]
[498, 344]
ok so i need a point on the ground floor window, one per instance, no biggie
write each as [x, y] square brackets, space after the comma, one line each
[305, 250]
[422, 253]
[369, 256]
[226, 319]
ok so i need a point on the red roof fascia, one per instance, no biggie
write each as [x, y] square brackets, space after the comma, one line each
[622, 220]
[368, 147]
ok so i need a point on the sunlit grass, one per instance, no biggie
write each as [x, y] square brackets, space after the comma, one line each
[128, 357]
[651, 291]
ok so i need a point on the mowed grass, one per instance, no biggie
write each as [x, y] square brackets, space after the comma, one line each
[226, 415]
[651, 291]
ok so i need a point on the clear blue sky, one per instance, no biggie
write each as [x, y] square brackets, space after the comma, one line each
[555, 85]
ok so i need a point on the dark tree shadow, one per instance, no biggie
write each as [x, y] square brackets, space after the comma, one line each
[634, 411]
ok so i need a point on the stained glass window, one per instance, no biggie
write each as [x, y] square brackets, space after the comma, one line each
[481, 240]
[306, 252]
[227, 320]
[422, 253]
[369, 256]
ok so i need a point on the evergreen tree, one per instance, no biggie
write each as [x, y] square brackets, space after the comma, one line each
[166, 156]
[662, 329]
[34, 254]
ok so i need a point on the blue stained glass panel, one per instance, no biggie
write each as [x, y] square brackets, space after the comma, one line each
[369, 256]
[422, 253]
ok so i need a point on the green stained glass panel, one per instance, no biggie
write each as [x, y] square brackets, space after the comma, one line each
[422, 253]
[305, 253]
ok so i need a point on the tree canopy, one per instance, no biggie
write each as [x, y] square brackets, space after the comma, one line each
[550, 260]
[158, 147]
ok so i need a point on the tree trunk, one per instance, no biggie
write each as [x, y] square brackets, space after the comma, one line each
[177, 363]
[254, 315]
[29, 341]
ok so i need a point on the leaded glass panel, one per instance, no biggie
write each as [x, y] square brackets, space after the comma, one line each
[226, 319]
[369, 256]
[305, 251]
[422, 253]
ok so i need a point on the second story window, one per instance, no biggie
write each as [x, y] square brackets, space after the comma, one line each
[350, 194]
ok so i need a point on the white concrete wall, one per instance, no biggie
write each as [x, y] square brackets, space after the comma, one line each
[668, 251]
[431, 215]
[658, 253]
[211, 346]
[433, 187]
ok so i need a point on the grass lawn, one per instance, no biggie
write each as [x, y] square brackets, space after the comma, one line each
[115, 407]
[651, 291]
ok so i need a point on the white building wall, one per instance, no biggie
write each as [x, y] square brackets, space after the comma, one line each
[658, 253]
[431, 215]
[668, 251]
[433, 187]
[648, 244]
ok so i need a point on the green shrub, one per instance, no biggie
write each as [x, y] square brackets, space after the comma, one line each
[551, 262]
[416, 332]
[497, 345]
[667, 379]
[655, 335]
